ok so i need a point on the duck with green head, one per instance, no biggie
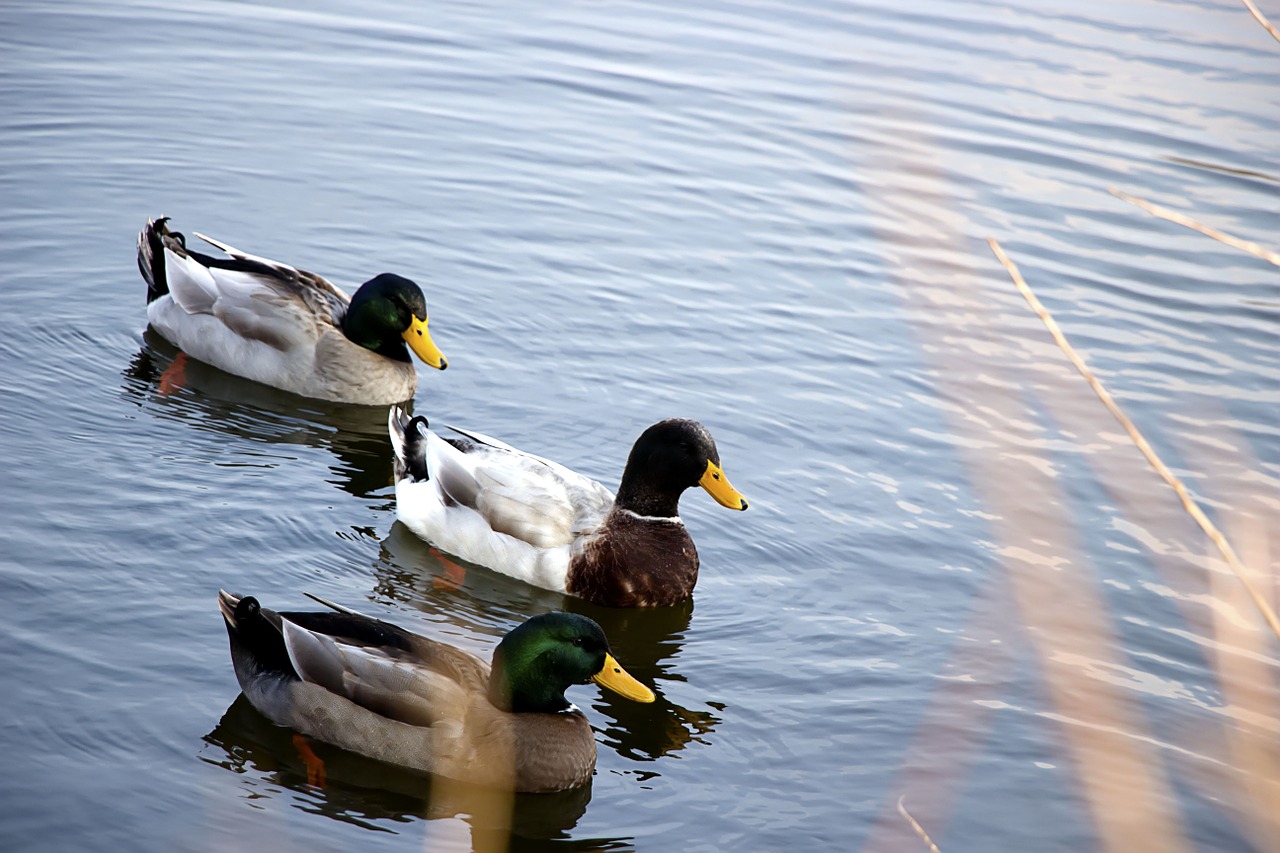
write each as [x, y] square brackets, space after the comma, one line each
[284, 327]
[373, 688]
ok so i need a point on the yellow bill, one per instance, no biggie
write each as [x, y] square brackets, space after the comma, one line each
[613, 676]
[717, 485]
[419, 340]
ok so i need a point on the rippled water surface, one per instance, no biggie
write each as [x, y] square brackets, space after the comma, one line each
[958, 587]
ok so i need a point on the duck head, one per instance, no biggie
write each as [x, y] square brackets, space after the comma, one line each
[667, 458]
[541, 658]
[388, 312]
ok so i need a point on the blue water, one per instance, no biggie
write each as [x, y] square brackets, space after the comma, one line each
[958, 582]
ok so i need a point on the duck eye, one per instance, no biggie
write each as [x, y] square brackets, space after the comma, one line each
[577, 641]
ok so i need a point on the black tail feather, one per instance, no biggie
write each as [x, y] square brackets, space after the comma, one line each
[409, 435]
[254, 632]
[151, 256]
[415, 448]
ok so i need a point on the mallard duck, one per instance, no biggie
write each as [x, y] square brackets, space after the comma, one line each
[373, 688]
[284, 327]
[481, 499]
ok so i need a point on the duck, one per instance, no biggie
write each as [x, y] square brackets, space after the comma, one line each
[285, 327]
[483, 500]
[376, 689]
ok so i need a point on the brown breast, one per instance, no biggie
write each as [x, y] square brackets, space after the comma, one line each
[635, 562]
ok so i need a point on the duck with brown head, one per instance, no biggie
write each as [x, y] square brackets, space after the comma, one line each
[480, 499]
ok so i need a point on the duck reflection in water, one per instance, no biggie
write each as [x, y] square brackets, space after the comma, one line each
[161, 380]
[373, 795]
[417, 575]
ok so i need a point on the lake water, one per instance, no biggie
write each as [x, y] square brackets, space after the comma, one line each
[959, 585]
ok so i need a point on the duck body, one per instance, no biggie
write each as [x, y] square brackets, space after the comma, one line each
[489, 503]
[373, 688]
[284, 327]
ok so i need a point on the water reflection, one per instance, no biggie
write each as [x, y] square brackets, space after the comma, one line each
[647, 641]
[468, 601]
[376, 796]
[164, 382]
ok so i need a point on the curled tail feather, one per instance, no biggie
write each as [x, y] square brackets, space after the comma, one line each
[409, 441]
[151, 245]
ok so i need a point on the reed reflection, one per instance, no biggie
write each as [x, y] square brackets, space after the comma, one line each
[646, 641]
[166, 383]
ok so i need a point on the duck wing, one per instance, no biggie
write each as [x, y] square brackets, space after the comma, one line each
[412, 680]
[304, 284]
[464, 667]
[522, 495]
[256, 298]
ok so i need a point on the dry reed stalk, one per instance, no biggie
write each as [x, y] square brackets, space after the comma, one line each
[1202, 756]
[1246, 666]
[1173, 216]
[1107, 748]
[474, 818]
[1188, 503]
[1249, 689]
[1119, 771]
[915, 824]
[1262, 19]
[487, 814]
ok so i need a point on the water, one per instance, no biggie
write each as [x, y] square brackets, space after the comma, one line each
[957, 583]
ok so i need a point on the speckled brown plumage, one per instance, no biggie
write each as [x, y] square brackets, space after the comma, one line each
[635, 561]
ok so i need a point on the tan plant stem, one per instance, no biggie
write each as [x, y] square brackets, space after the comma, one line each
[924, 836]
[1209, 231]
[1188, 503]
[1262, 19]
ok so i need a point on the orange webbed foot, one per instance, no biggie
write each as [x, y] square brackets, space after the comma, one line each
[314, 763]
[454, 575]
[174, 376]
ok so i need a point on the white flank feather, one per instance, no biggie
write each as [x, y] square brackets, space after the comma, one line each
[500, 507]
